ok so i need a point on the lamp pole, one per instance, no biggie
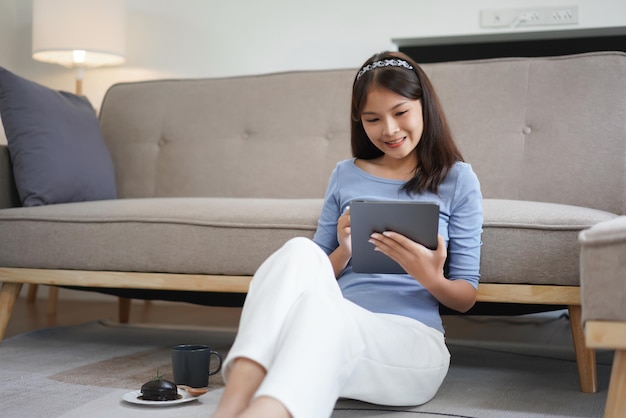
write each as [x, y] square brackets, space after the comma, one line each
[80, 74]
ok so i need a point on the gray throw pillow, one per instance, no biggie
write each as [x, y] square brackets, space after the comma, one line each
[55, 143]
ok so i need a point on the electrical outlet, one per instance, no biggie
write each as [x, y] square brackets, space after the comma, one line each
[512, 18]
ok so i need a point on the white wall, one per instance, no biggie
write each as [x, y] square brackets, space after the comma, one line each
[7, 42]
[215, 38]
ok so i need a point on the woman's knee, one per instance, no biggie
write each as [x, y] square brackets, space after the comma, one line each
[306, 255]
[299, 263]
[300, 244]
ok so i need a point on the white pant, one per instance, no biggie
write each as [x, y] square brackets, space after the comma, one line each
[318, 346]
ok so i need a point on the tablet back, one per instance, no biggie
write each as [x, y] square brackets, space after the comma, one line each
[418, 221]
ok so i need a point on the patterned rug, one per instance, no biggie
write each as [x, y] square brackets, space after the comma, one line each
[129, 371]
[86, 370]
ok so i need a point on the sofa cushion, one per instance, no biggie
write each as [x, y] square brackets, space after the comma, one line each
[55, 144]
[523, 242]
[228, 236]
[602, 268]
[533, 242]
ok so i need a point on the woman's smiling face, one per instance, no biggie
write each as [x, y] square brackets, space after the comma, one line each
[392, 122]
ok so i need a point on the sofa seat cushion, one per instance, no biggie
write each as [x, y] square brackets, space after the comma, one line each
[534, 242]
[523, 242]
[602, 266]
[230, 236]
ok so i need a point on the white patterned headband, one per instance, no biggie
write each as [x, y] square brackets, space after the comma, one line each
[384, 63]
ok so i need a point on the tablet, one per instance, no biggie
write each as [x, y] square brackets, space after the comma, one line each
[418, 221]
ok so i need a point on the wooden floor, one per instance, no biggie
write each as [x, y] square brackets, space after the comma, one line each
[30, 316]
[548, 328]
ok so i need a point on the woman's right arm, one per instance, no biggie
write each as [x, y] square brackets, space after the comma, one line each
[333, 233]
[340, 257]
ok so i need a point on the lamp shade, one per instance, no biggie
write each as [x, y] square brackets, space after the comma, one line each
[79, 33]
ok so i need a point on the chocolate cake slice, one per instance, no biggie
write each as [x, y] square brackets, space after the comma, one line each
[159, 390]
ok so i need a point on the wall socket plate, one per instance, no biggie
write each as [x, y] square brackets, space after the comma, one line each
[532, 16]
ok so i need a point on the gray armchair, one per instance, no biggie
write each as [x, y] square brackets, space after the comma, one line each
[603, 289]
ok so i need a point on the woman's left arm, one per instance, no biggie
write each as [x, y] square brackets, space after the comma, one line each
[426, 266]
[458, 290]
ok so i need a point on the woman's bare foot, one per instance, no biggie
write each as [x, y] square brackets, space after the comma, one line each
[244, 379]
[266, 407]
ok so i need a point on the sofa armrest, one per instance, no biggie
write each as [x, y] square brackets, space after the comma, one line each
[8, 193]
[603, 271]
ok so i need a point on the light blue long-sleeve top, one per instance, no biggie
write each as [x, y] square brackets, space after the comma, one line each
[460, 223]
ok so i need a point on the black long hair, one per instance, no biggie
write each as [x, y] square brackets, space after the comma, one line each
[436, 151]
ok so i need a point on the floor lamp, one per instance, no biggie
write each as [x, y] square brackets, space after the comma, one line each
[79, 34]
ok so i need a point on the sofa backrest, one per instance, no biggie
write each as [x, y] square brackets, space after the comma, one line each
[545, 129]
[274, 136]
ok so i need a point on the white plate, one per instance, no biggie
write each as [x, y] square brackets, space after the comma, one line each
[135, 397]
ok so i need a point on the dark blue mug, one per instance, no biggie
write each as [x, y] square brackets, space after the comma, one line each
[191, 364]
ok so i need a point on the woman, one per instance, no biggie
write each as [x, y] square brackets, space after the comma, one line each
[312, 330]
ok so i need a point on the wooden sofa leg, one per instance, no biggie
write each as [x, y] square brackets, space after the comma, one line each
[585, 357]
[123, 310]
[53, 297]
[616, 400]
[32, 293]
[8, 295]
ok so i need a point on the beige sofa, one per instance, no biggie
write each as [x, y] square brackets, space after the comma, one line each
[215, 174]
